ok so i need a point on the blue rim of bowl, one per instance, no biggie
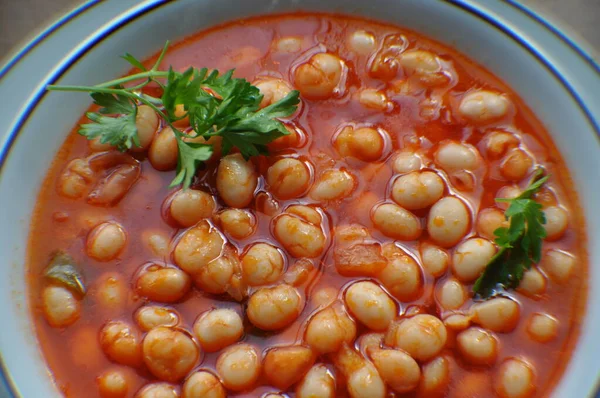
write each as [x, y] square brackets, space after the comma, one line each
[131, 15]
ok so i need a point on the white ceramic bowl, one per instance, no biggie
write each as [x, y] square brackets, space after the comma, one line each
[554, 77]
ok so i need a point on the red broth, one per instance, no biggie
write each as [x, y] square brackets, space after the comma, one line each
[74, 354]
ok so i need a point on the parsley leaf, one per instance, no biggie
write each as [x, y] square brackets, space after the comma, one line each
[520, 245]
[191, 155]
[215, 105]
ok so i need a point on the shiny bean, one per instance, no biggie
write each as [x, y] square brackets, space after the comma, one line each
[435, 259]
[112, 384]
[146, 122]
[417, 190]
[236, 180]
[448, 221]
[516, 165]
[401, 276]
[218, 328]
[272, 308]
[364, 143]
[239, 367]
[333, 184]
[542, 327]
[406, 162]
[189, 206]
[454, 156]
[471, 257]
[197, 247]
[362, 42]
[559, 265]
[121, 343]
[515, 379]
[164, 151]
[288, 178]
[285, 366]
[557, 220]
[61, 307]
[320, 77]
[152, 316]
[106, 241]
[372, 306]
[329, 329]
[158, 390]
[422, 336]
[169, 354]
[482, 106]
[237, 223]
[272, 89]
[299, 237]
[318, 383]
[162, 284]
[395, 222]
[498, 314]
[203, 384]
[477, 346]
[262, 264]
[451, 294]
[397, 369]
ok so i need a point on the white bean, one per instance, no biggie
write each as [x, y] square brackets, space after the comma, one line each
[477, 346]
[333, 184]
[364, 143]
[318, 383]
[288, 44]
[61, 307]
[422, 336]
[197, 247]
[162, 284]
[370, 305]
[75, 179]
[164, 151]
[515, 379]
[397, 369]
[471, 257]
[169, 354]
[222, 275]
[499, 142]
[190, 206]
[239, 224]
[498, 314]
[448, 221]
[121, 344]
[106, 241]
[451, 294]
[288, 178]
[158, 390]
[157, 241]
[489, 220]
[272, 89]
[435, 377]
[406, 162]
[299, 237]
[395, 222]
[152, 316]
[320, 77]
[112, 384]
[401, 276]
[417, 190]
[218, 328]
[203, 384]
[557, 220]
[483, 106]
[435, 259]
[285, 366]
[146, 122]
[329, 329]
[533, 283]
[542, 327]
[374, 99]
[362, 378]
[516, 165]
[362, 42]
[274, 308]
[559, 265]
[239, 367]
[454, 156]
[236, 180]
[111, 292]
[262, 264]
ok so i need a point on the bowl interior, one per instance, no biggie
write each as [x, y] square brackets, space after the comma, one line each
[501, 38]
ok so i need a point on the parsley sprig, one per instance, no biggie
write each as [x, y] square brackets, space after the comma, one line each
[520, 244]
[215, 104]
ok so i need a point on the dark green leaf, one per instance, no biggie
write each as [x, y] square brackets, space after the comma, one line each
[119, 131]
[134, 61]
[63, 270]
[191, 155]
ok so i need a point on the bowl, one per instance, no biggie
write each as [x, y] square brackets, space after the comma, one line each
[555, 77]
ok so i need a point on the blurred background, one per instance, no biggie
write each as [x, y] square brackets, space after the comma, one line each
[20, 19]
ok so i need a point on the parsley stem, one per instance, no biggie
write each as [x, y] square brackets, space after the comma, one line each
[151, 74]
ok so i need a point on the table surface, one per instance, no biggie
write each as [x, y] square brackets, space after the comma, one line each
[20, 19]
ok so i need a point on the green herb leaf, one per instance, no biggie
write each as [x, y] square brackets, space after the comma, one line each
[520, 245]
[191, 155]
[134, 61]
[63, 270]
[215, 105]
[119, 131]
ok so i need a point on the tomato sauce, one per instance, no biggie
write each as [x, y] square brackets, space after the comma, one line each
[74, 355]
